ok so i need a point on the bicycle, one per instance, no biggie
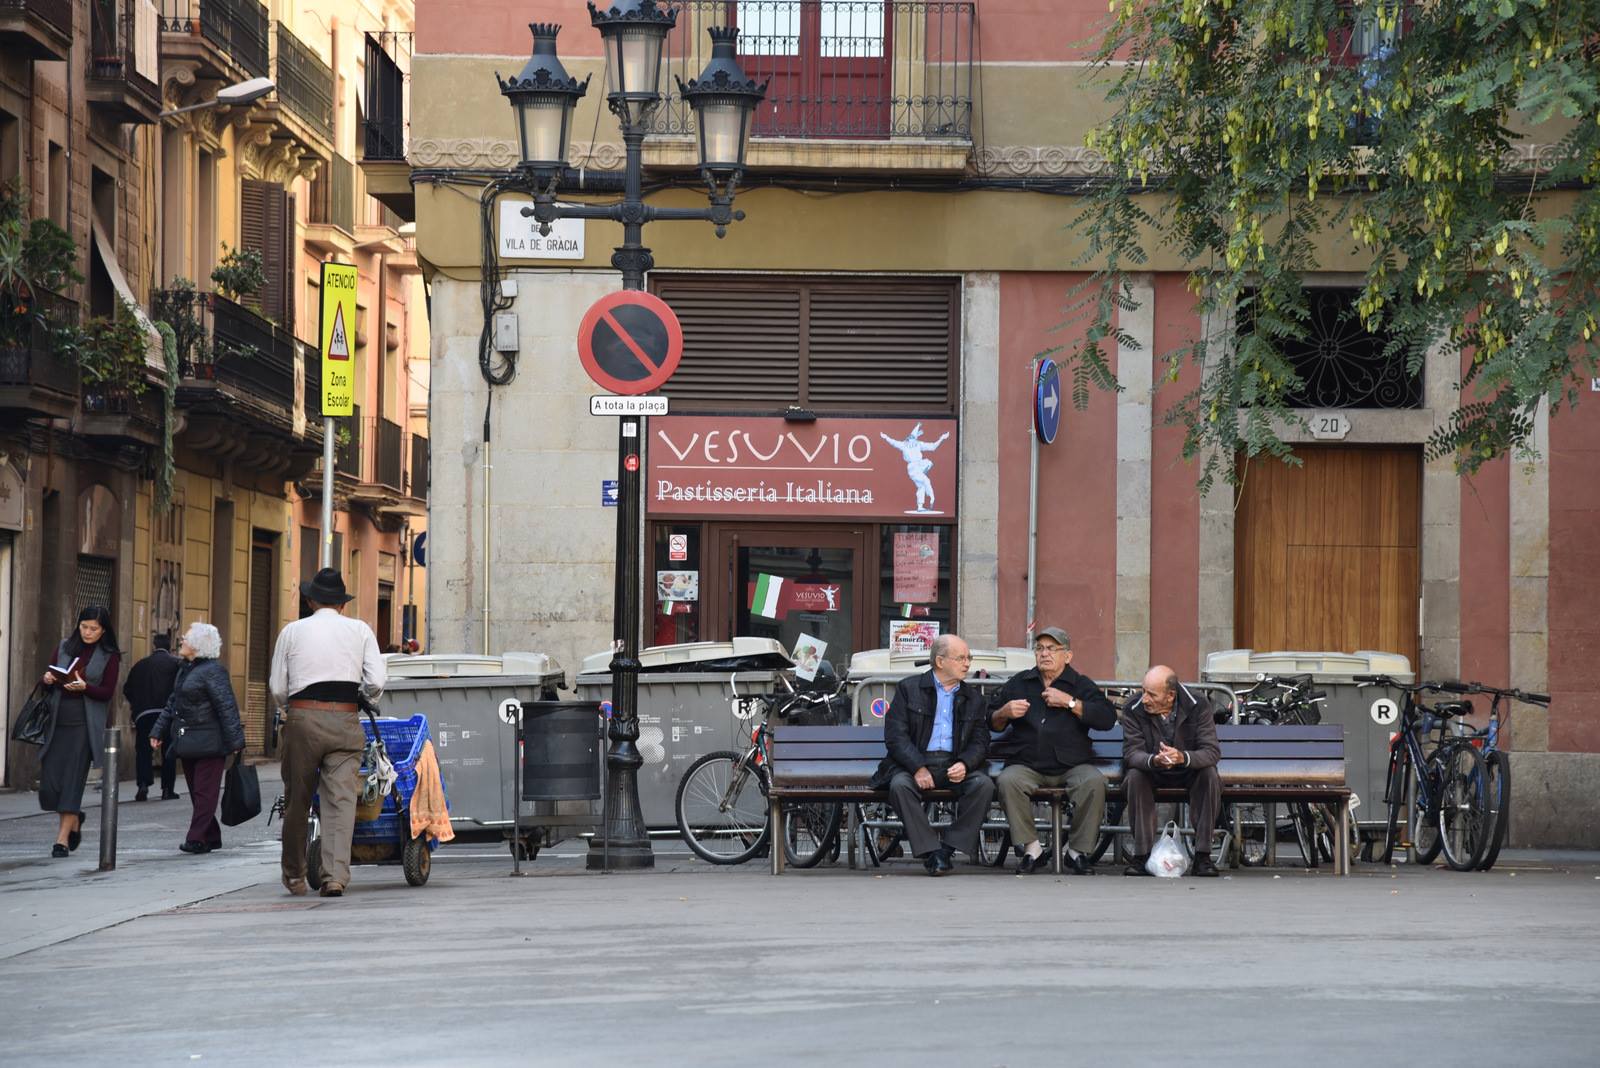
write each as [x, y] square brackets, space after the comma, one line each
[721, 804]
[1282, 700]
[1497, 764]
[1445, 790]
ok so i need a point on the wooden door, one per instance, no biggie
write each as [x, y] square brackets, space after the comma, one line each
[1327, 556]
[258, 732]
[826, 63]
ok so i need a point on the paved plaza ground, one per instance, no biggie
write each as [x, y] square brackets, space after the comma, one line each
[173, 959]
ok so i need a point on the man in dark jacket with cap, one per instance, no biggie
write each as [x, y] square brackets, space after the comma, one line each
[937, 735]
[1046, 713]
[147, 689]
[322, 666]
[1169, 738]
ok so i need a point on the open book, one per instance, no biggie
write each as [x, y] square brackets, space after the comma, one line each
[66, 672]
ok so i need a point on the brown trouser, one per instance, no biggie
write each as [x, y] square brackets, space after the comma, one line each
[1205, 798]
[322, 755]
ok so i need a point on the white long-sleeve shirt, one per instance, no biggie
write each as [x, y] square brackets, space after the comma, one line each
[326, 646]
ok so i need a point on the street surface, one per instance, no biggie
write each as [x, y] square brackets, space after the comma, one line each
[174, 959]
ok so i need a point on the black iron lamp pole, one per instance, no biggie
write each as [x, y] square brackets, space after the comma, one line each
[543, 98]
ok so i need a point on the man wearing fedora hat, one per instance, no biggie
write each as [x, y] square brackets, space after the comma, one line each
[321, 667]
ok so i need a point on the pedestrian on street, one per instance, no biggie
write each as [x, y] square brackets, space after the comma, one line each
[322, 666]
[149, 685]
[200, 726]
[80, 696]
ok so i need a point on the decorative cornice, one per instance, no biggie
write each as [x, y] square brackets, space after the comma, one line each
[1037, 161]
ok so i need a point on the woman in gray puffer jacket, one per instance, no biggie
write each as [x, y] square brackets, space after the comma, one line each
[200, 726]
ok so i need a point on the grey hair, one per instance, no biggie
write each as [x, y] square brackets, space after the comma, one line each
[205, 640]
[941, 646]
[1172, 682]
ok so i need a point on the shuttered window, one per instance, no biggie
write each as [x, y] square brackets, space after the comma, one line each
[266, 224]
[827, 344]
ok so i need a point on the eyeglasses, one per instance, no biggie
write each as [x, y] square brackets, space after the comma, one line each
[964, 658]
[1048, 650]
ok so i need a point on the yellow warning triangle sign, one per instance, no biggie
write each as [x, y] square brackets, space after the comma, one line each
[338, 343]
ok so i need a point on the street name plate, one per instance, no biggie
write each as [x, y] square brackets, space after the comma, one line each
[606, 404]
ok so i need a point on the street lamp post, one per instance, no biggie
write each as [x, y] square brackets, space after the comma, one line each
[543, 97]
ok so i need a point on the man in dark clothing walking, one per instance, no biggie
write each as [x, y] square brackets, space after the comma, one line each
[148, 688]
[1046, 713]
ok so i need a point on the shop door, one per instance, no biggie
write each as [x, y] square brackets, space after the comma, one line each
[786, 582]
[1327, 554]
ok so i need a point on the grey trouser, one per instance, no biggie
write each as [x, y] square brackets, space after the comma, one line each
[1086, 789]
[973, 795]
[1205, 798]
[321, 755]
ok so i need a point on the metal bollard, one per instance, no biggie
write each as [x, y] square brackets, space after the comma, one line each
[108, 801]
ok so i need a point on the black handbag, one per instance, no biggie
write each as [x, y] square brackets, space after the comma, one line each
[33, 723]
[241, 793]
[196, 740]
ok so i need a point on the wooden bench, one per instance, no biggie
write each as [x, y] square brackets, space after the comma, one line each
[1260, 763]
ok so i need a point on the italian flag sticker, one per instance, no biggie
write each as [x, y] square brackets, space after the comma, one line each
[764, 602]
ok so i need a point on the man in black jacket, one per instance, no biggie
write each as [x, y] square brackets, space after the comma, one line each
[1169, 738]
[147, 689]
[937, 734]
[1046, 713]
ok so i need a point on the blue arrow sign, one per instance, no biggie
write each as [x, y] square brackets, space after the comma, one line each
[1047, 401]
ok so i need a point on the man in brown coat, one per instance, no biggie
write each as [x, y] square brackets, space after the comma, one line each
[1169, 738]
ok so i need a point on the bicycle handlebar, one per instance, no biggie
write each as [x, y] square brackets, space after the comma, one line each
[1457, 686]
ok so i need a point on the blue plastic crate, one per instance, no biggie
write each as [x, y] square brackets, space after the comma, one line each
[402, 741]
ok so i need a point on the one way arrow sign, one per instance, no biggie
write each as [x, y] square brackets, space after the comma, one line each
[1046, 400]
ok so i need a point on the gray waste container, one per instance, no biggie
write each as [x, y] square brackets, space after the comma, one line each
[687, 708]
[1359, 710]
[462, 696]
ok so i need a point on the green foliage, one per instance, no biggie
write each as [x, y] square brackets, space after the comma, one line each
[110, 352]
[35, 255]
[169, 393]
[1252, 139]
[178, 307]
[240, 274]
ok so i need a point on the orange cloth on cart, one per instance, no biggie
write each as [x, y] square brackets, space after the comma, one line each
[429, 813]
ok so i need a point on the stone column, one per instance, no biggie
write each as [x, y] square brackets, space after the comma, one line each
[1441, 529]
[1135, 363]
[1215, 597]
[1530, 585]
[977, 568]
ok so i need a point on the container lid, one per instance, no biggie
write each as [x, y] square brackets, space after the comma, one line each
[1243, 665]
[1004, 661]
[451, 665]
[740, 654]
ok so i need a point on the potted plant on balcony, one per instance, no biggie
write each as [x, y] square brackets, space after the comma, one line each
[111, 356]
[179, 306]
[37, 258]
[240, 275]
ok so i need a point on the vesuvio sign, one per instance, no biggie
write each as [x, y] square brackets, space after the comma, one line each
[755, 466]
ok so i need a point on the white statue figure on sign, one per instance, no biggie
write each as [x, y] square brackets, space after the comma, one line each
[832, 594]
[918, 466]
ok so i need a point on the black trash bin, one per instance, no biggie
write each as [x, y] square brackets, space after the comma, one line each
[560, 750]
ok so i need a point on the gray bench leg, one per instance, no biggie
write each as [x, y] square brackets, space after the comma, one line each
[775, 842]
[1057, 846]
[851, 812]
[1341, 852]
[1270, 810]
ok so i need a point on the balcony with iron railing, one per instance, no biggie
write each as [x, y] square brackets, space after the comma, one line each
[331, 211]
[124, 68]
[305, 82]
[417, 473]
[836, 69]
[121, 415]
[34, 379]
[388, 454]
[231, 39]
[347, 444]
[222, 344]
[36, 29]
[385, 124]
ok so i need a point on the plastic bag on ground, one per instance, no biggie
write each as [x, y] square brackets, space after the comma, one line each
[1168, 859]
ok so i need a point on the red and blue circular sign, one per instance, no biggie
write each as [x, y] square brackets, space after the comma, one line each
[880, 708]
[630, 342]
[1046, 400]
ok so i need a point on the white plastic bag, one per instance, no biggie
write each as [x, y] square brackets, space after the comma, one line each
[1168, 859]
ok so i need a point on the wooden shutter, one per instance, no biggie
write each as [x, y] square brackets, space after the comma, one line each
[263, 214]
[741, 346]
[825, 343]
[888, 344]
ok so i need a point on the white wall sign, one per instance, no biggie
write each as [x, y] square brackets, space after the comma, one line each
[1329, 426]
[520, 238]
[1594, 385]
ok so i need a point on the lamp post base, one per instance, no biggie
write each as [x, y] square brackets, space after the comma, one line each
[623, 843]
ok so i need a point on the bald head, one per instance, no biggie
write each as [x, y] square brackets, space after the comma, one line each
[1160, 689]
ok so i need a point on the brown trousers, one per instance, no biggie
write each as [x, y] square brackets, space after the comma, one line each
[321, 755]
[1205, 798]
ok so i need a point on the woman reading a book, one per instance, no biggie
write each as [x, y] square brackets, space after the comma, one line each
[82, 680]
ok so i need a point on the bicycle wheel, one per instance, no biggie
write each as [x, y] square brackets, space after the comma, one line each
[1465, 823]
[1114, 811]
[1424, 818]
[1305, 832]
[1251, 821]
[722, 808]
[810, 831]
[1395, 796]
[1499, 767]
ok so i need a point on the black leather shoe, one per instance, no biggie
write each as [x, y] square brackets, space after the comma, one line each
[74, 839]
[938, 863]
[1028, 865]
[1136, 867]
[1204, 867]
[195, 847]
[169, 795]
[58, 851]
[142, 795]
[1078, 865]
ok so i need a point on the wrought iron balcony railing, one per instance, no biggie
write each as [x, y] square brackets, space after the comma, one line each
[55, 13]
[224, 342]
[125, 59]
[389, 456]
[305, 83]
[347, 452]
[27, 343]
[417, 474]
[333, 195]
[384, 124]
[849, 69]
[240, 28]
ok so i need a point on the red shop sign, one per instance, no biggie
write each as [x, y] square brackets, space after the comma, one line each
[764, 466]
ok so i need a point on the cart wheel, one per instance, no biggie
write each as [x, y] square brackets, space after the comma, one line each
[524, 848]
[314, 861]
[418, 861]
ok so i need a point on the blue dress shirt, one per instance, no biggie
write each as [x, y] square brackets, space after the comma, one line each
[944, 718]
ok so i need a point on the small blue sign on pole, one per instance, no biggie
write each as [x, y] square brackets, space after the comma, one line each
[1047, 401]
[419, 549]
[608, 493]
